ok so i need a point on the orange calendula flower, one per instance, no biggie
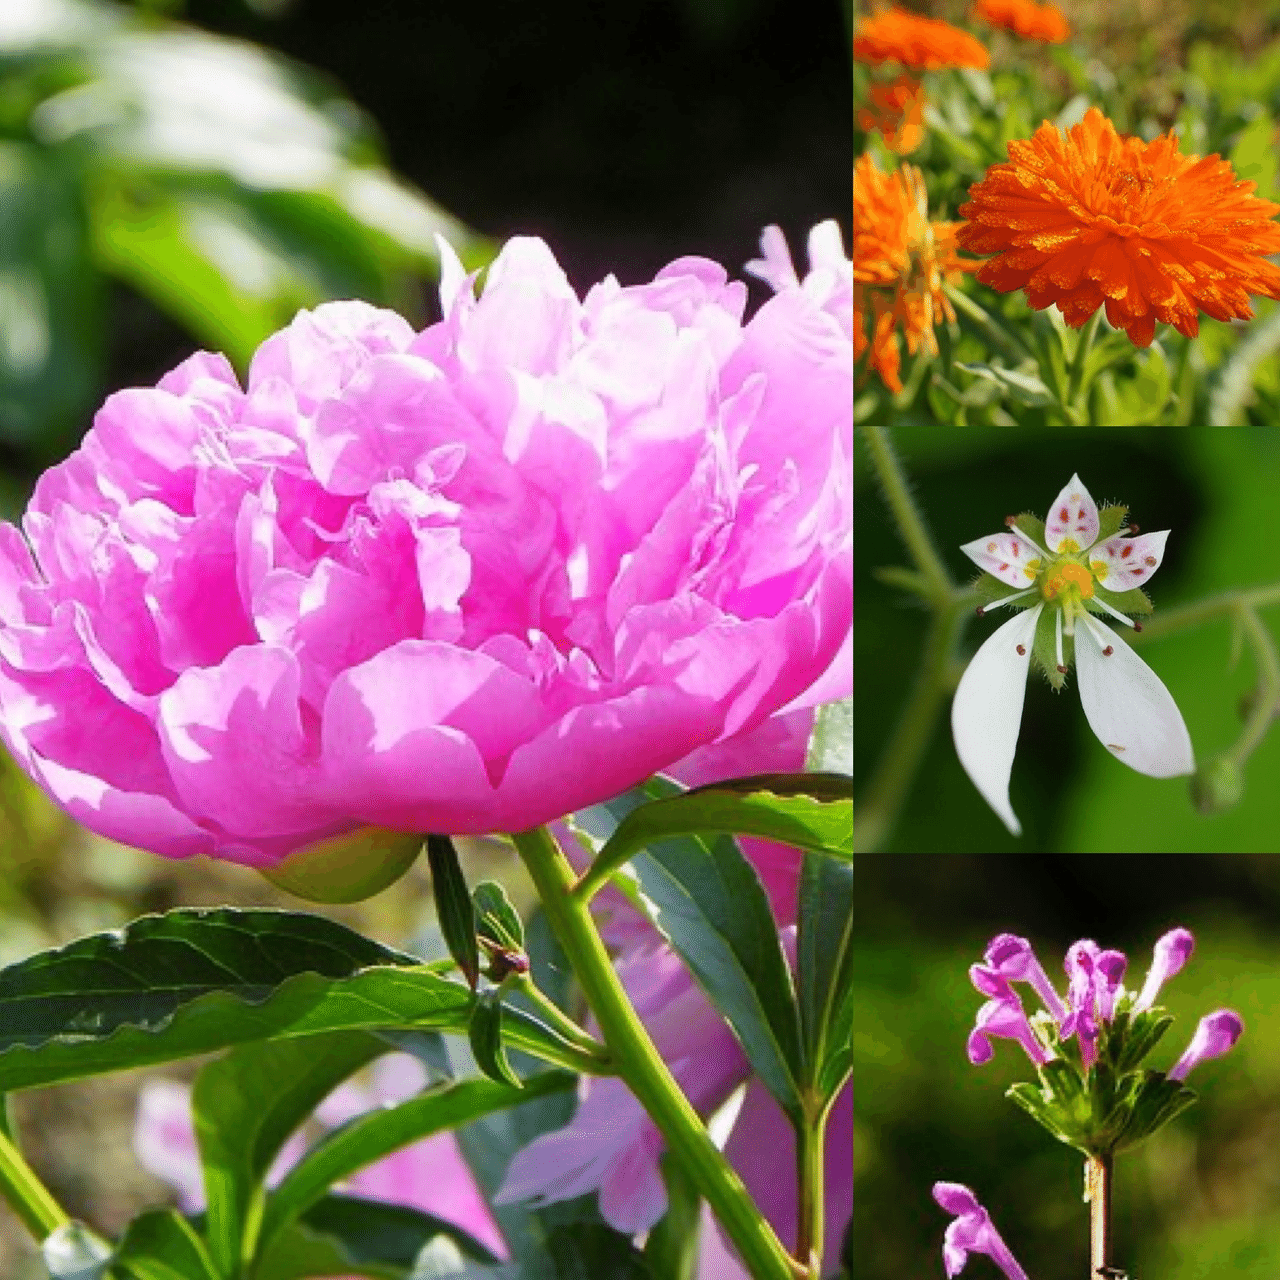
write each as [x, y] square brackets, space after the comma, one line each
[1088, 218]
[897, 110]
[898, 36]
[1025, 18]
[900, 261]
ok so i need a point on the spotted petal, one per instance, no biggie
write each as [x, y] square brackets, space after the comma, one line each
[987, 710]
[1123, 562]
[1128, 707]
[1072, 518]
[1007, 556]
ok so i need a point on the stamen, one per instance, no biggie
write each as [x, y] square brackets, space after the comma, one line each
[1011, 521]
[1115, 613]
[1108, 651]
[1133, 528]
[1021, 651]
[995, 604]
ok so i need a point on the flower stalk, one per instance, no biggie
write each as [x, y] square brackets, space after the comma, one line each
[31, 1201]
[641, 1066]
[1097, 1191]
[810, 1168]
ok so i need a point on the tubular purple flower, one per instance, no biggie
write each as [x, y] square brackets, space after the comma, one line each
[1005, 1020]
[971, 1232]
[1015, 959]
[1111, 966]
[1215, 1035]
[1171, 953]
[1082, 983]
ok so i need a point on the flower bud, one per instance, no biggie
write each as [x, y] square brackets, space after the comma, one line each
[1217, 785]
[347, 868]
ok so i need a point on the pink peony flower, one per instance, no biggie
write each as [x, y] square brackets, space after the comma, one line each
[464, 580]
[430, 1175]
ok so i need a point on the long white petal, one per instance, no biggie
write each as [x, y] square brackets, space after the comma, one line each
[987, 711]
[1128, 707]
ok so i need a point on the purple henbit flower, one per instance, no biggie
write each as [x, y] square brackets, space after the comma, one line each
[1014, 960]
[1171, 952]
[1215, 1035]
[971, 1232]
[1007, 1020]
[1094, 978]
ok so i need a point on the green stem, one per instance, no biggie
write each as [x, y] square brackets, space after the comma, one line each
[1097, 1191]
[896, 769]
[910, 522]
[641, 1066]
[1268, 700]
[1223, 605]
[811, 1170]
[28, 1197]
[1081, 356]
[559, 1020]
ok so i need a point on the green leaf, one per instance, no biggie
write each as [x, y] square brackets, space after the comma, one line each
[496, 918]
[193, 981]
[707, 900]
[245, 1106]
[806, 810]
[51, 303]
[824, 967]
[453, 906]
[1254, 155]
[1022, 388]
[370, 1137]
[341, 1235]
[486, 1037]
[162, 1245]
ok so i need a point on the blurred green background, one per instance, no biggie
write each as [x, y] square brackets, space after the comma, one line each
[1218, 491]
[181, 175]
[1198, 1201]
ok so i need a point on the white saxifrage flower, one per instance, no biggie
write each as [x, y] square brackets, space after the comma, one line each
[1086, 566]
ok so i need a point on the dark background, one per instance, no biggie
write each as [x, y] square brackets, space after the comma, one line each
[625, 134]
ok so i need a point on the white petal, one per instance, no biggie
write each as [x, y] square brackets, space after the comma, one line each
[1008, 556]
[1123, 562]
[1074, 515]
[987, 710]
[1128, 707]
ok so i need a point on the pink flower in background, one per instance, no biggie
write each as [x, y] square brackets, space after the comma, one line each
[464, 580]
[971, 1231]
[430, 1175]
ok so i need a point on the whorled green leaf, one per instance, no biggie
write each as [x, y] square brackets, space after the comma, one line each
[486, 1037]
[453, 906]
[162, 1245]
[496, 918]
[245, 1106]
[345, 1235]
[806, 810]
[193, 981]
[376, 1134]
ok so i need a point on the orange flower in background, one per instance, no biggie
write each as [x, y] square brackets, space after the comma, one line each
[897, 110]
[1089, 218]
[900, 261]
[1025, 18]
[898, 36]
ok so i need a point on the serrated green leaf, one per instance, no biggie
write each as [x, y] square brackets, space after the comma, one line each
[453, 906]
[193, 981]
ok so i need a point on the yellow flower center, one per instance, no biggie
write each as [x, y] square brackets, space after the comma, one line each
[1065, 577]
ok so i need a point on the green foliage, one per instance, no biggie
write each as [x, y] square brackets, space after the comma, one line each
[228, 185]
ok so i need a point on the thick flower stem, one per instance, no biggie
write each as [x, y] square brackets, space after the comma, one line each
[811, 1170]
[641, 1066]
[26, 1195]
[1097, 1190]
